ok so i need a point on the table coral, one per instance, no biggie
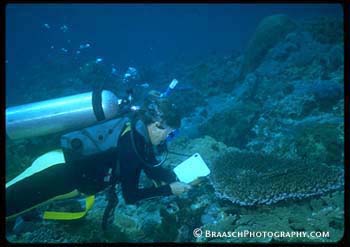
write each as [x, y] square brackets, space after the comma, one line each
[248, 179]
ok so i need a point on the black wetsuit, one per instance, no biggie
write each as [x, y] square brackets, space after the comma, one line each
[89, 177]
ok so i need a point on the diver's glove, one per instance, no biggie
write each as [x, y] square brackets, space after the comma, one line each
[178, 188]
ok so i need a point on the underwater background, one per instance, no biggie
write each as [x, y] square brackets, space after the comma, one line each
[260, 90]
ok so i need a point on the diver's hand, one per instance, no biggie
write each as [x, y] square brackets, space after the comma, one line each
[178, 188]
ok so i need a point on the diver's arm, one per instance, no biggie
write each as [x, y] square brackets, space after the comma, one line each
[160, 174]
[131, 192]
[130, 168]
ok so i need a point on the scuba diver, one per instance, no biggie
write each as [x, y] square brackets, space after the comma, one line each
[99, 158]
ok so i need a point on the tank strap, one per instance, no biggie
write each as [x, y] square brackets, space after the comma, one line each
[97, 104]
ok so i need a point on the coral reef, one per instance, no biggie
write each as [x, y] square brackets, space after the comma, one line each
[232, 126]
[214, 74]
[326, 29]
[249, 178]
[321, 143]
[192, 98]
[325, 92]
[269, 32]
[174, 218]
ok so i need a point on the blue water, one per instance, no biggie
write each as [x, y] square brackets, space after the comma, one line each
[134, 34]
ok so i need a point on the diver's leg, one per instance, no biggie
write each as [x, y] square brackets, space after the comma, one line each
[39, 188]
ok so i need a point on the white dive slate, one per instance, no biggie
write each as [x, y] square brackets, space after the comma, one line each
[191, 169]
